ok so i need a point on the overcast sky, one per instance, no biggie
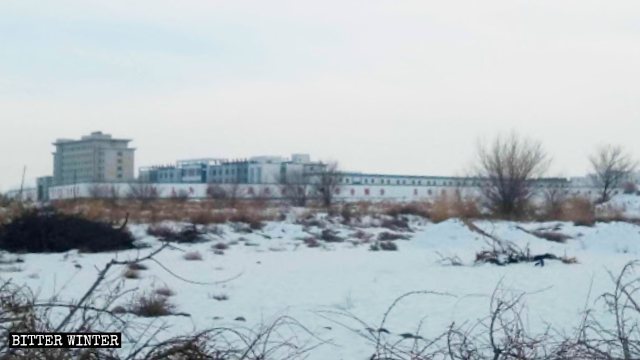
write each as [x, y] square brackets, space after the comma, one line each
[383, 86]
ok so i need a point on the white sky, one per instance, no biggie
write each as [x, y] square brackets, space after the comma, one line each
[383, 86]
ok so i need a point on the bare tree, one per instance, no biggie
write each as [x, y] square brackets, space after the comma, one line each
[225, 194]
[143, 191]
[5, 200]
[611, 166]
[508, 166]
[296, 187]
[326, 182]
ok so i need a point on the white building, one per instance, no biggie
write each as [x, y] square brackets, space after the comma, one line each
[94, 158]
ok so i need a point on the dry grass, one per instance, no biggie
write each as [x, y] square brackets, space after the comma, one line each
[151, 305]
[193, 256]
[578, 210]
[312, 242]
[251, 217]
[384, 246]
[413, 208]
[203, 212]
[446, 207]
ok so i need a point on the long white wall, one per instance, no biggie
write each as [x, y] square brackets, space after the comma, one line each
[273, 191]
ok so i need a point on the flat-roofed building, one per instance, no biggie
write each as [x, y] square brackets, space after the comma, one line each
[94, 158]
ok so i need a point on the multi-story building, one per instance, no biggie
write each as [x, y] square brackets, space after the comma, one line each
[255, 170]
[94, 158]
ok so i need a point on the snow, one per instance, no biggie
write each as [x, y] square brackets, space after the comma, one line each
[271, 273]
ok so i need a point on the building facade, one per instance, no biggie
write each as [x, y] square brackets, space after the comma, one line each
[254, 170]
[94, 158]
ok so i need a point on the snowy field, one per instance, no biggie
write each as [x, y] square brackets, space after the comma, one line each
[272, 272]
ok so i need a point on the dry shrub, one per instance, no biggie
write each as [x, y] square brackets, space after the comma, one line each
[445, 207]
[346, 212]
[579, 210]
[131, 274]
[193, 256]
[208, 217]
[160, 231]
[396, 224]
[413, 208]
[219, 297]
[220, 246]
[387, 236]
[47, 230]
[151, 305]
[136, 266]
[384, 246]
[569, 260]
[189, 234]
[312, 242]
[362, 236]
[253, 218]
[310, 220]
[359, 209]
[388, 246]
[165, 291]
[329, 235]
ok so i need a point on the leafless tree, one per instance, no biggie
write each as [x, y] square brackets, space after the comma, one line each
[181, 195]
[101, 191]
[611, 166]
[508, 166]
[143, 191]
[5, 200]
[295, 187]
[326, 182]
[224, 194]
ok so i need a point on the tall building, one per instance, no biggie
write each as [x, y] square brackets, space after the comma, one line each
[94, 158]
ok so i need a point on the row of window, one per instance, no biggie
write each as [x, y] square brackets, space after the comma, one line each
[385, 181]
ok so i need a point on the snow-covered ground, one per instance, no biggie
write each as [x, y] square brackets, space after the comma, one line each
[272, 273]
